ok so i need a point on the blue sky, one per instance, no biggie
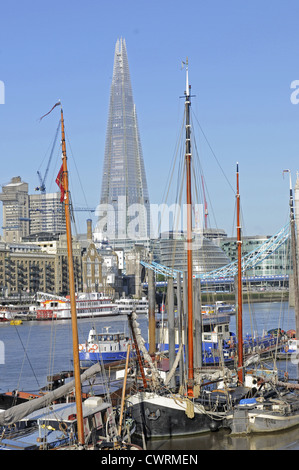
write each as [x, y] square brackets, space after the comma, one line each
[243, 57]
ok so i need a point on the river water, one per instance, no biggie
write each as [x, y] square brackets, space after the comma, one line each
[34, 350]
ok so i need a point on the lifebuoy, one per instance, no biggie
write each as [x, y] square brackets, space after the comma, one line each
[93, 348]
[81, 348]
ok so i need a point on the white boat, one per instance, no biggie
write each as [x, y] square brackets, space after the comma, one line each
[106, 346]
[126, 305]
[10, 312]
[218, 307]
[88, 305]
[4, 316]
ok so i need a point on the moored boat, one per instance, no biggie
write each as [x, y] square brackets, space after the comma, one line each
[125, 305]
[290, 348]
[103, 347]
[219, 344]
[55, 427]
[10, 312]
[170, 410]
[260, 414]
[88, 305]
[219, 307]
[281, 411]
[3, 316]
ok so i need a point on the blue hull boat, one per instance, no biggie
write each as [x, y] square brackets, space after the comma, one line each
[104, 347]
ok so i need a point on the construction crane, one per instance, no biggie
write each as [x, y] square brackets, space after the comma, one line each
[42, 186]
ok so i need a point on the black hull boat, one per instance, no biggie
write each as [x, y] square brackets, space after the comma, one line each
[159, 416]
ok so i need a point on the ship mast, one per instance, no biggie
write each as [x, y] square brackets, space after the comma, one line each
[189, 238]
[240, 298]
[76, 361]
[294, 260]
[205, 202]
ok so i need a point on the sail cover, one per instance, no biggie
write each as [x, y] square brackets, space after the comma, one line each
[16, 413]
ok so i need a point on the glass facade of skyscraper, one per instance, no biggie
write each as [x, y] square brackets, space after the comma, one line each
[124, 210]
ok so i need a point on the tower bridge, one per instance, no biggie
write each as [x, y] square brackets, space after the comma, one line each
[227, 273]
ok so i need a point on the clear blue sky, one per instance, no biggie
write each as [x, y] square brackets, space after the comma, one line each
[243, 56]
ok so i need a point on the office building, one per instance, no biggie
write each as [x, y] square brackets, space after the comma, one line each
[28, 214]
[46, 213]
[15, 210]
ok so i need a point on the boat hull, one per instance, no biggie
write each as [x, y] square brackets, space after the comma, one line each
[159, 416]
[244, 421]
[87, 359]
[211, 357]
[50, 315]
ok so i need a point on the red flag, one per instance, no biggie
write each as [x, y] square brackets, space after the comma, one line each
[59, 181]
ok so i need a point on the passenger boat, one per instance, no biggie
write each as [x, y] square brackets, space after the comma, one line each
[125, 305]
[10, 312]
[103, 347]
[88, 305]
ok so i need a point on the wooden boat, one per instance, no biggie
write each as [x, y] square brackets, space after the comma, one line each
[248, 401]
[36, 425]
[160, 409]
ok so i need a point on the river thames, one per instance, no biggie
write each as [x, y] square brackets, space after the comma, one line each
[34, 350]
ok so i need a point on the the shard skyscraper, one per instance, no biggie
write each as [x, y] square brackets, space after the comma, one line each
[124, 210]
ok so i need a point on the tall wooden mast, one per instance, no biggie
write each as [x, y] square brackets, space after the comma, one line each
[189, 238]
[240, 298]
[76, 361]
[294, 261]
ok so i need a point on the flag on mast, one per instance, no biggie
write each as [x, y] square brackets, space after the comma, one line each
[59, 182]
[56, 104]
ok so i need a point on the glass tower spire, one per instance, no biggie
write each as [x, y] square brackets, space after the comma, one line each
[124, 211]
